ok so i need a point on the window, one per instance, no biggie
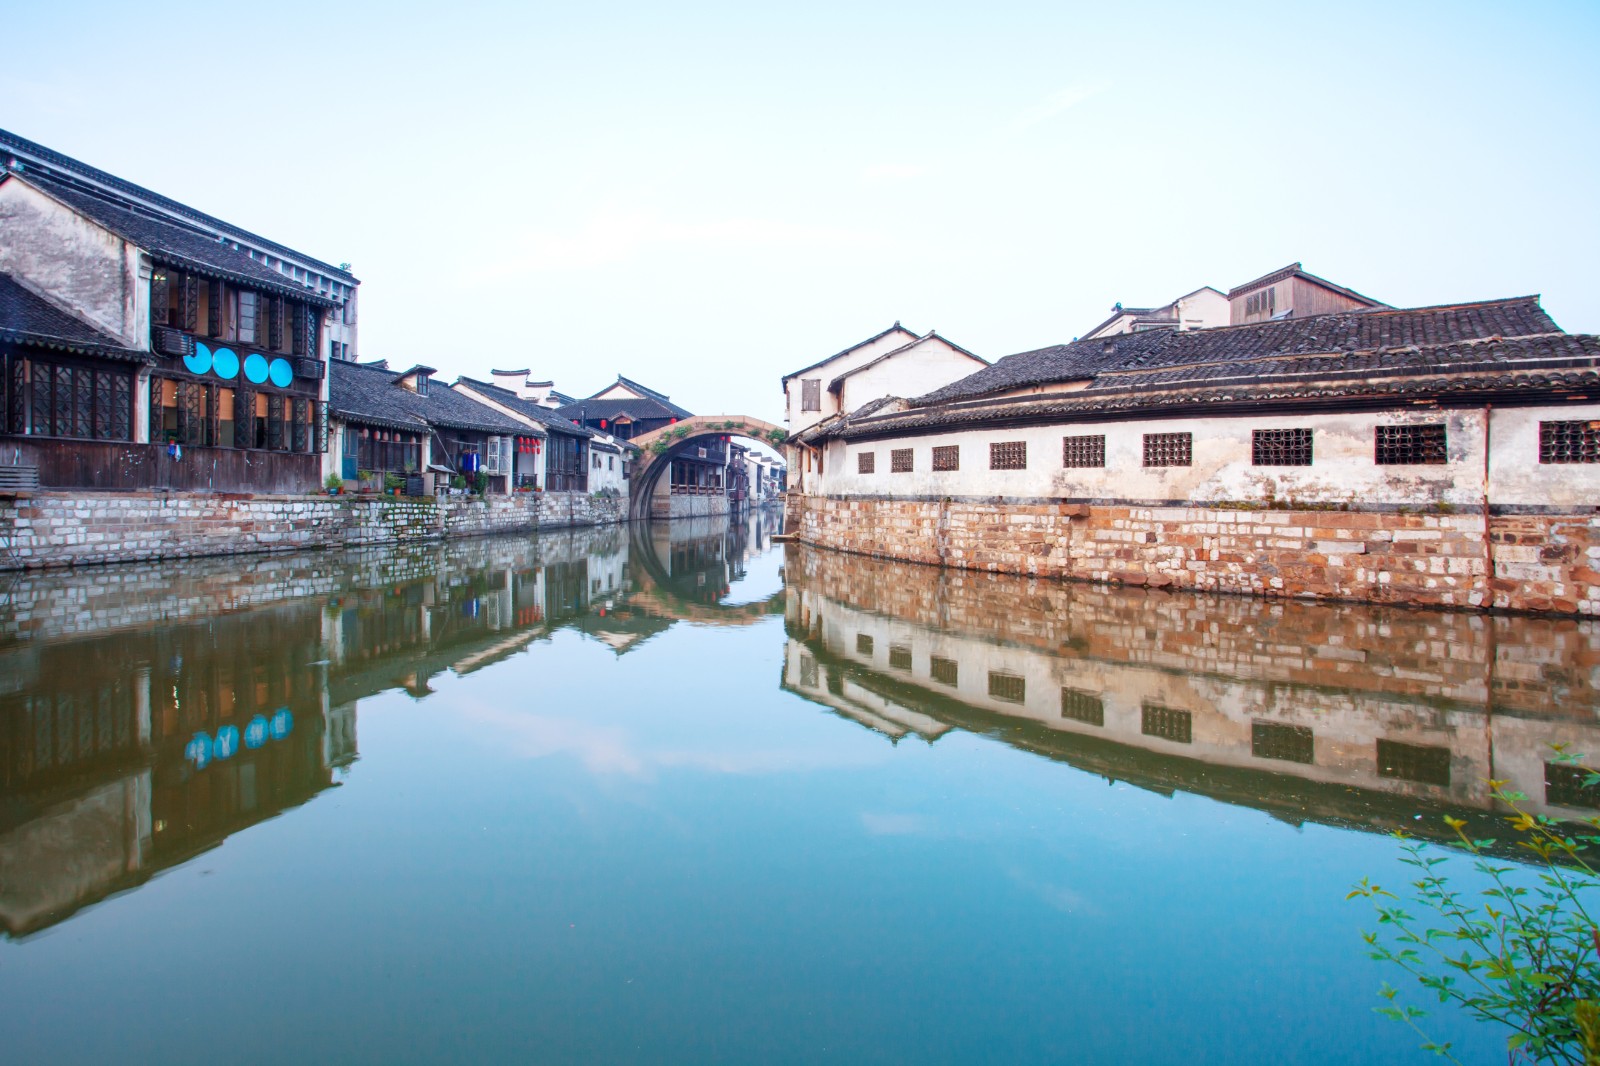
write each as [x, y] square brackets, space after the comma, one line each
[1008, 455]
[1564, 786]
[1414, 762]
[899, 657]
[1166, 723]
[1569, 442]
[1273, 740]
[900, 460]
[810, 394]
[863, 644]
[866, 462]
[611, 462]
[808, 671]
[1083, 451]
[943, 671]
[1168, 449]
[1082, 707]
[947, 457]
[1008, 687]
[58, 400]
[1410, 445]
[247, 318]
[1262, 303]
[1280, 447]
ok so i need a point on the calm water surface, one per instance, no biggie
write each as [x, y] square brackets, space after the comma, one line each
[675, 794]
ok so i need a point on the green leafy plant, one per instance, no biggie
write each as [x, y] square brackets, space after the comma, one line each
[393, 482]
[457, 481]
[777, 436]
[1524, 951]
[480, 484]
[333, 482]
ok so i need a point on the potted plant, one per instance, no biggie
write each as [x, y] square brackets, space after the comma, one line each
[334, 484]
[481, 484]
[458, 483]
[365, 478]
[393, 483]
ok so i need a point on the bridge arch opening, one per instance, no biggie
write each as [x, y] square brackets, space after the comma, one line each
[672, 477]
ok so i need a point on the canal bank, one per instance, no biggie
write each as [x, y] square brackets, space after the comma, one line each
[51, 529]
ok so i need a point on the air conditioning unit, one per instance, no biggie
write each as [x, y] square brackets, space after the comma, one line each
[167, 341]
[307, 367]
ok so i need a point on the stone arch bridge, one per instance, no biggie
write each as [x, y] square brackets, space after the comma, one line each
[659, 447]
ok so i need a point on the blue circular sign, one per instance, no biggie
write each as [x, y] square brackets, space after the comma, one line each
[255, 368]
[227, 742]
[198, 750]
[281, 373]
[281, 723]
[225, 362]
[255, 734]
[200, 361]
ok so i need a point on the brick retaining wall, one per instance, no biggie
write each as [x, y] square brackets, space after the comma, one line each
[1540, 563]
[76, 529]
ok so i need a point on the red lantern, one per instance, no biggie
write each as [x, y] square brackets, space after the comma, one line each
[602, 423]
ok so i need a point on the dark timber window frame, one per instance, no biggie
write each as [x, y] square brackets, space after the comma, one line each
[866, 462]
[810, 394]
[947, 457]
[67, 399]
[900, 460]
[1083, 452]
[1008, 455]
[1281, 447]
[1569, 441]
[1411, 444]
[1168, 449]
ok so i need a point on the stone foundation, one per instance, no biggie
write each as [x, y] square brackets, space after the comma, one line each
[1539, 563]
[77, 529]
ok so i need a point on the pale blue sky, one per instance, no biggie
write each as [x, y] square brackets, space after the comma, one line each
[706, 197]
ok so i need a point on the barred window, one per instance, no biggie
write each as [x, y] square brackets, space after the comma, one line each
[1280, 447]
[1084, 451]
[54, 400]
[863, 644]
[1008, 687]
[947, 457]
[1564, 786]
[1083, 707]
[810, 394]
[900, 460]
[1414, 762]
[1168, 449]
[1410, 445]
[1274, 740]
[866, 462]
[1569, 442]
[1008, 455]
[944, 671]
[899, 657]
[1166, 723]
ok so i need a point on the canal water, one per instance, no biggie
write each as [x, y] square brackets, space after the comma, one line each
[676, 794]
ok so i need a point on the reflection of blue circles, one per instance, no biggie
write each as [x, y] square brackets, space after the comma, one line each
[255, 734]
[200, 361]
[281, 723]
[225, 362]
[255, 367]
[280, 372]
[198, 750]
[227, 742]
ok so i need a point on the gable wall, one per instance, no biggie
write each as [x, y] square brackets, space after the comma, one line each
[793, 393]
[930, 365]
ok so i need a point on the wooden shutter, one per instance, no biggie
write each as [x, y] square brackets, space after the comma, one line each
[17, 411]
[214, 308]
[322, 427]
[244, 418]
[274, 311]
[275, 422]
[156, 416]
[121, 402]
[302, 427]
[160, 286]
[190, 310]
[213, 417]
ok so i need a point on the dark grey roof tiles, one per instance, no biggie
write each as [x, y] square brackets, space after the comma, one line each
[610, 410]
[897, 327]
[361, 393]
[545, 416]
[27, 318]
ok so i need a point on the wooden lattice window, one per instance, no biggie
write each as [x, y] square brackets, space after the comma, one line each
[900, 460]
[863, 644]
[1275, 740]
[1569, 442]
[1411, 445]
[943, 671]
[1086, 451]
[214, 309]
[244, 419]
[899, 657]
[275, 439]
[16, 403]
[1167, 723]
[322, 431]
[191, 413]
[866, 462]
[1280, 447]
[1008, 687]
[157, 415]
[272, 310]
[302, 424]
[947, 457]
[1564, 786]
[1414, 762]
[810, 394]
[1008, 455]
[1168, 449]
[1082, 706]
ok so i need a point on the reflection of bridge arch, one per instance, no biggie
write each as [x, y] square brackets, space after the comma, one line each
[678, 438]
[654, 584]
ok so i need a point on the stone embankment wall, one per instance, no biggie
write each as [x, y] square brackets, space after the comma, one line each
[1539, 562]
[76, 529]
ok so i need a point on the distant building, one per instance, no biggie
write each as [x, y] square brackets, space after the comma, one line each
[625, 409]
[1203, 308]
[565, 457]
[1291, 293]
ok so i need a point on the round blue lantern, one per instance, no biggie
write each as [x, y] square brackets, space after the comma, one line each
[280, 372]
[281, 723]
[227, 742]
[255, 368]
[200, 361]
[225, 361]
[255, 734]
[198, 750]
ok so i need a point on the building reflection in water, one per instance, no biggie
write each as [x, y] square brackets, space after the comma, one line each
[147, 713]
[1337, 714]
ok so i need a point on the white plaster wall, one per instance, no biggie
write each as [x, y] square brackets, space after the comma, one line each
[793, 394]
[72, 262]
[608, 475]
[1343, 470]
[930, 365]
[1205, 309]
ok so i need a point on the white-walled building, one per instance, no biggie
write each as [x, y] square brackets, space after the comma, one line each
[1204, 308]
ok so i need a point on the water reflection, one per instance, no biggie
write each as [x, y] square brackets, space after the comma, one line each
[1348, 714]
[147, 713]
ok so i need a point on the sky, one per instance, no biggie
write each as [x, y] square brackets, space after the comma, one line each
[705, 197]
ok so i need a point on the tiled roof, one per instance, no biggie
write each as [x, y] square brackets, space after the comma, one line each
[27, 318]
[897, 327]
[838, 382]
[543, 415]
[359, 392]
[1294, 270]
[1346, 331]
[65, 164]
[179, 245]
[637, 410]
[661, 398]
